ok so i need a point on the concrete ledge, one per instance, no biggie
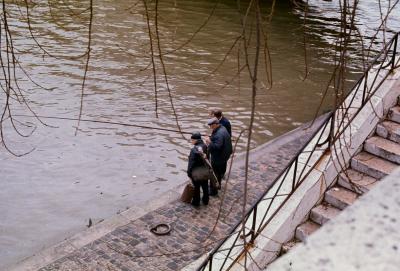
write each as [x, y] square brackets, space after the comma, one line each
[364, 236]
[81, 239]
[311, 191]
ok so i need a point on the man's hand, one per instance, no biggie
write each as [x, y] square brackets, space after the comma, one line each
[207, 139]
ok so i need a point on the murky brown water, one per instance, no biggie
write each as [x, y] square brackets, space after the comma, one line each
[51, 193]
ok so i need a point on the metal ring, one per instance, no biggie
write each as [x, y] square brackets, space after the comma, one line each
[163, 225]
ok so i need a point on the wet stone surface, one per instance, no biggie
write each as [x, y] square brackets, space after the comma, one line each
[195, 231]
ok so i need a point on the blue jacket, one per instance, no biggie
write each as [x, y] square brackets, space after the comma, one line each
[226, 123]
[220, 147]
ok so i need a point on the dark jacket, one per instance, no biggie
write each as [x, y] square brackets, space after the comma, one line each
[226, 123]
[220, 147]
[195, 159]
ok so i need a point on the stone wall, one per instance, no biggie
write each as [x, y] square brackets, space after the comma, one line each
[365, 236]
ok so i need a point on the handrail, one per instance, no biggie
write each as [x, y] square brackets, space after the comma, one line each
[296, 164]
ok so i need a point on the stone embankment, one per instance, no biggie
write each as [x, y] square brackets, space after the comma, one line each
[364, 236]
[379, 157]
[125, 242]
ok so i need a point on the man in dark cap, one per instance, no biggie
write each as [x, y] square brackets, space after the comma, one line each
[198, 170]
[222, 120]
[220, 148]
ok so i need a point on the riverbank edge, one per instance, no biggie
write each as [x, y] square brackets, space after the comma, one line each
[77, 241]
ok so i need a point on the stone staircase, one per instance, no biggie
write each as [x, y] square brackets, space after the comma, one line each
[379, 157]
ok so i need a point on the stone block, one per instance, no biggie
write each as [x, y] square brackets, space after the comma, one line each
[356, 181]
[340, 197]
[390, 130]
[394, 114]
[372, 165]
[383, 148]
[306, 229]
[323, 213]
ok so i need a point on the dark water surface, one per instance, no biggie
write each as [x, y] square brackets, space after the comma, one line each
[50, 194]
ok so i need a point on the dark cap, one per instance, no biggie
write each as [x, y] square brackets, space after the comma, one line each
[213, 121]
[196, 135]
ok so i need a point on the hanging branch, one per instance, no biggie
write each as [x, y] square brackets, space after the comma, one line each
[30, 28]
[195, 32]
[7, 72]
[87, 63]
[160, 55]
[254, 79]
[306, 72]
[152, 57]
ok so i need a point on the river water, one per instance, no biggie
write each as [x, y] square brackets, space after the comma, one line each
[50, 193]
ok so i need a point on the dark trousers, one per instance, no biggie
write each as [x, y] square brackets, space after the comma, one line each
[196, 196]
[219, 171]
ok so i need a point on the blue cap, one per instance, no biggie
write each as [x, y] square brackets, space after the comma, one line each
[213, 121]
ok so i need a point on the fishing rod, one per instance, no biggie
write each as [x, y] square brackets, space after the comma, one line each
[110, 122]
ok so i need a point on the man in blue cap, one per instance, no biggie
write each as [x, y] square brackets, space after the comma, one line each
[222, 119]
[220, 148]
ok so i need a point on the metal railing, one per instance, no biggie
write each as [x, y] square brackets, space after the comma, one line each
[230, 250]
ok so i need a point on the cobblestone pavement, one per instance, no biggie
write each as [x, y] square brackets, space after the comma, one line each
[134, 247]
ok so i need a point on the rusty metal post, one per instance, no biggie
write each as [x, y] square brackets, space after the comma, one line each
[365, 87]
[294, 173]
[331, 130]
[253, 226]
[394, 50]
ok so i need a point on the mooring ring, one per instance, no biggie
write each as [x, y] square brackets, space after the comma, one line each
[161, 225]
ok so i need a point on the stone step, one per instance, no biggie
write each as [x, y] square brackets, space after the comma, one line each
[323, 213]
[288, 246]
[398, 100]
[306, 229]
[389, 130]
[356, 181]
[383, 148]
[372, 165]
[394, 114]
[340, 197]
